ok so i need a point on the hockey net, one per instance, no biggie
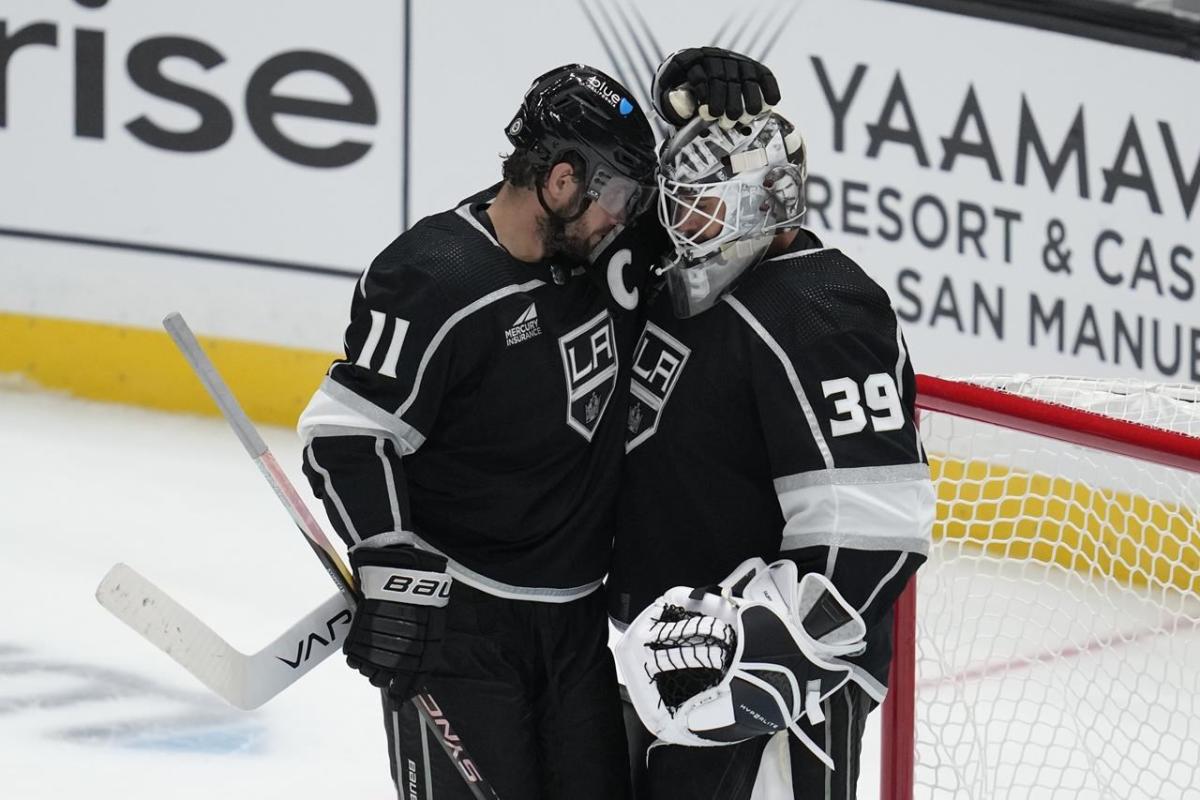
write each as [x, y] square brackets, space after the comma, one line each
[1054, 649]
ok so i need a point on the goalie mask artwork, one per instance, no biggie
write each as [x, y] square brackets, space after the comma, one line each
[723, 195]
[718, 665]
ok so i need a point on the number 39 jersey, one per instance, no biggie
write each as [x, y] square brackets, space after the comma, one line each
[777, 423]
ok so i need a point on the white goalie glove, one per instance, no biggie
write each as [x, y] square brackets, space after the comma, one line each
[707, 669]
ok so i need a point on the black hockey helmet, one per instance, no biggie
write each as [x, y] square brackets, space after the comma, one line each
[580, 110]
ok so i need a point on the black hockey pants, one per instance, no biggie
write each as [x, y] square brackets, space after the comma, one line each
[779, 765]
[532, 691]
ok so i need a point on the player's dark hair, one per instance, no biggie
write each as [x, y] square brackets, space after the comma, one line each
[524, 171]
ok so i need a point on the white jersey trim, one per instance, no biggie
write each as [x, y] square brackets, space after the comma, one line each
[390, 479]
[334, 407]
[901, 358]
[797, 254]
[449, 324]
[331, 493]
[814, 427]
[891, 473]
[876, 690]
[464, 211]
[537, 594]
[893, 512]
[891, 573]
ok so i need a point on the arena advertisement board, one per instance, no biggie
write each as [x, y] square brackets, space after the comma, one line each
[224, 158]
[1027, 198]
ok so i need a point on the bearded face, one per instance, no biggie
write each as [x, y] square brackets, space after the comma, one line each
[574, 240]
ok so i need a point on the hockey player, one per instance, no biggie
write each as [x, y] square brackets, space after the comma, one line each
[467, 448]
[770, 420]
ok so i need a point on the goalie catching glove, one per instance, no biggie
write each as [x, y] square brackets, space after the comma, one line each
[397, 630]
[714, 83]
[708, 669]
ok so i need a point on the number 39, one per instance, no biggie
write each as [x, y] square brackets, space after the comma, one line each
[881, 395]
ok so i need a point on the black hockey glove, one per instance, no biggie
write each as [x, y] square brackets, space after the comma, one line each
[397, 631]
[716, 83]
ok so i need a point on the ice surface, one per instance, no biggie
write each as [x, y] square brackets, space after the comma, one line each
[87, 708]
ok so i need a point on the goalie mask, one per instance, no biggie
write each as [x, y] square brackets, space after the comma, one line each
[723, 195]
[706, 669]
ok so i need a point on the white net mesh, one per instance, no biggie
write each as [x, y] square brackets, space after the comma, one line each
[1058, 643]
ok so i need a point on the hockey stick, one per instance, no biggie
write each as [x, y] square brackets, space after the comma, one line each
[428, 709]
[245, 681]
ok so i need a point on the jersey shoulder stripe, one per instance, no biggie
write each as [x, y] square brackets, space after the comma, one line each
[451, 321]
[789, 370]
[425, 289]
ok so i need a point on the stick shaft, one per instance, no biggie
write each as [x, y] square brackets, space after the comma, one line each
[220, 392]
[248, 435]
[200, 363]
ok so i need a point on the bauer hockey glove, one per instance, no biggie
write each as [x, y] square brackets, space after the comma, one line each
[716, 83]
[397, 631]
[752, 660]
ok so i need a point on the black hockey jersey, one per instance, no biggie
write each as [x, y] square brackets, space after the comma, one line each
[778, 423]
[479, 411]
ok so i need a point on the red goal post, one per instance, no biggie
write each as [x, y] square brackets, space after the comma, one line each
[1057, 497]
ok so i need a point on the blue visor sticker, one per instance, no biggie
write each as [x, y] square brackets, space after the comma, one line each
[626, 107]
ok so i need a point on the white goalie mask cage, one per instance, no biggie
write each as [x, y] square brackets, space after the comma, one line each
[723, 195]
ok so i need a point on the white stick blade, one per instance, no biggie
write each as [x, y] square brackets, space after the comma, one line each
[244, 681]
[297, 650]
[173, 629]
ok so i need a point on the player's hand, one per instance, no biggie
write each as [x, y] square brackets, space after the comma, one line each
[397, 631]
[714, 83]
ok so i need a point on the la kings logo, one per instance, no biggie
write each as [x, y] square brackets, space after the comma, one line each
[657, 364]
[590, 363]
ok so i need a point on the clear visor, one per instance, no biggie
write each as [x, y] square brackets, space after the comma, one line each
[622, 197]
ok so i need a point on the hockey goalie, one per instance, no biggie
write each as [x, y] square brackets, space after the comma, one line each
[771, 422]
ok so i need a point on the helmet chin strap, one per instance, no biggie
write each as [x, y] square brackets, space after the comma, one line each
[583, 207]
